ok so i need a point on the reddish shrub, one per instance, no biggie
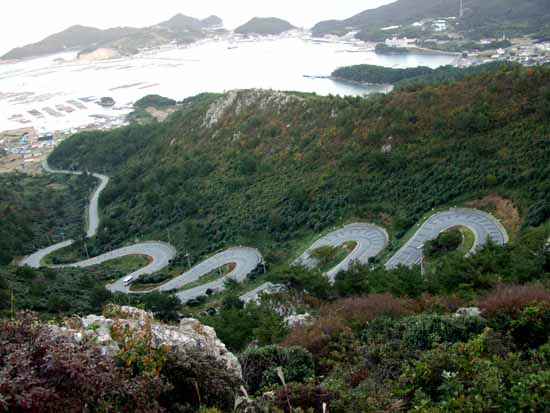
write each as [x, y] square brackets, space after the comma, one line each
[339, 319]
[40, 371]
[511, 299]
[316, 337]
[358, 377]
[358, 311]
[441, 303]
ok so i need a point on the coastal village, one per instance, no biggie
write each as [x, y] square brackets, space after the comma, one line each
[444, 39]
[24, 149]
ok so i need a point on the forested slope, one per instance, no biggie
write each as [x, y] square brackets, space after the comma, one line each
[38, 211]
[265, 168]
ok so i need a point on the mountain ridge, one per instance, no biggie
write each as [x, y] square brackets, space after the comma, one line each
[127, 40]
[481, 17]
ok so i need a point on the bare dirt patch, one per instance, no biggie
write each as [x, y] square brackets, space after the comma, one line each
[504, 209]
[160, 114]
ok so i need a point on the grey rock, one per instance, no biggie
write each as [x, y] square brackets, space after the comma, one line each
[468, 312]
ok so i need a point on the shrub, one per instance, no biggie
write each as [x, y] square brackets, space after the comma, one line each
[259, 365]
[316, 338]
[480, 375]
[401, 281]
[302, 280]
[445, 242]
[198, 380]
[531, 329]
[509, 300]
[357, 312]
[391, 343]
[354, 281]
[307, 397]
[42, 371]
[424, 331]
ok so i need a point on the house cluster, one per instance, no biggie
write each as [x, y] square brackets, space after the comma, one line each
[28, 147]
[526, 53]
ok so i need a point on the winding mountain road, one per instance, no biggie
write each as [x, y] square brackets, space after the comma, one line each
[370, 241]
[483, 225]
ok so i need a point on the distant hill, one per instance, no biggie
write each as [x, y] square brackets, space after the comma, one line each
[481, 17]
[180, 22]
[125, 40]
[265, 26]
[414, 75]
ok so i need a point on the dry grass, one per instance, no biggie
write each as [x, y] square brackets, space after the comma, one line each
[344, 316]
[503, 208]
[510, 299]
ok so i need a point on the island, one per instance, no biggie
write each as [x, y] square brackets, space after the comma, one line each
[265, 26]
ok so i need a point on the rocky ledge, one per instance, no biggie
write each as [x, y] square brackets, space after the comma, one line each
[189, 335]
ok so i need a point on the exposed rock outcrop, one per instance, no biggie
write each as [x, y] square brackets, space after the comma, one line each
[237, 101]
[189, 335]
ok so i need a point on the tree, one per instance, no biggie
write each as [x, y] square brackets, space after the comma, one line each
[354, 281]
[302, 280]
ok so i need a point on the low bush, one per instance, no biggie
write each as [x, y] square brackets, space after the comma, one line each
[42, 371]
[198, 380]
[259, 365]
[302, 398]
[480, 375]
[509, 300]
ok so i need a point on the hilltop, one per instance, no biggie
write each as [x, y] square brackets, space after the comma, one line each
[265, 26]
[482, 18]
[125, 40]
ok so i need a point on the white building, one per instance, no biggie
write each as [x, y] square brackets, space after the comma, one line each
[440, 25]
[404, 42]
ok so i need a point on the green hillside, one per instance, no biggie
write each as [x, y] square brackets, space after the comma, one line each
[38, 211]
[402, 77]
[481, 17]
[267, 169]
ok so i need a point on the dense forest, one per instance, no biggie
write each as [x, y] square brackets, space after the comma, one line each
[378, 74]
[401, 77]
[38, 211]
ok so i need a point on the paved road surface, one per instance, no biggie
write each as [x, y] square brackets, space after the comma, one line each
[92, 221]
[370, 239]
[483, 225]
[35, 259]
[160, 254]
[245, 259]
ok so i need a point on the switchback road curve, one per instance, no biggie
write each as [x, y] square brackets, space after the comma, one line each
[370, 241]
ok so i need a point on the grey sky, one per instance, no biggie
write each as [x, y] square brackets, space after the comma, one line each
[27, 21]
